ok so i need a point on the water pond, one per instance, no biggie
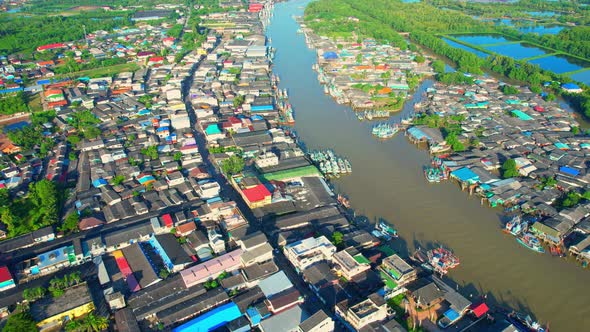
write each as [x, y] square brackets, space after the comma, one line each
[467, 48]
[559, 64]
[516, 51]
[583, 77]
[482, 39]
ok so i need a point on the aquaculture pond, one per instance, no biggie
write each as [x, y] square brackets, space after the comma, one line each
[541, 29]
[583, 77]
[467, 48]
[482, 39]
[559, 64]
[516, 51]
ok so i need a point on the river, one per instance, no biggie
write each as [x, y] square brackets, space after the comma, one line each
[387, 182]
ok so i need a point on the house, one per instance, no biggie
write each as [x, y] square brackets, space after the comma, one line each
[208, 189]
[286, 321]
[284, 300]
[212, 268]
[396, 272]
[171, 252]
[6, 281]
[571, 88]
[257, 196]
[348, 266]
[307, 252]
[363, 313]
[216, 318]
[51, 312]
[143, 270]
[318, 322]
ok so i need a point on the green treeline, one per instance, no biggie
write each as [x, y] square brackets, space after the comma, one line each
[13, 104]
[18, 34]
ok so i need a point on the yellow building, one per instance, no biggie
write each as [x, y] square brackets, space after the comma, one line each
[50, 312]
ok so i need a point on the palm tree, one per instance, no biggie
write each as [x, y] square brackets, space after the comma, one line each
[95, 323]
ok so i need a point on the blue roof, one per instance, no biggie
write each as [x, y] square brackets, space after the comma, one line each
[212, 320]
[570, 86]
[52, 257]
[569, 170]
[417, 133]
[452, 315]
[330, 55]
[465, 174]
[261, 108]
[99, 182]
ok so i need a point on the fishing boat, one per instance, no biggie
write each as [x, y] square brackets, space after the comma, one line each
[525, 323]
[515, 226]
[530, 241]
[386, 229]
[343, 201]
[360, 116]
[442, 260]
[433, 174]
[330, 164]
[385, 130]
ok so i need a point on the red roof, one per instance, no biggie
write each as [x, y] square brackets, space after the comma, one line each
[539, 108]
[5, 274]
[480, 309]
[156, 59]
[167, 220]
[51, 46]
[256, 194]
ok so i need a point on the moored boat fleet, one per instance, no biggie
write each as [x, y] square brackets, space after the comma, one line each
[385, 130]
[330, 164]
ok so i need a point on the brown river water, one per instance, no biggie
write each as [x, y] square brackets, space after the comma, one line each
[387, 182]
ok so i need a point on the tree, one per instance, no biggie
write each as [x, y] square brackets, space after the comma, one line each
[509, 90]
[4, 197]
[337, 238]
[163, 274]
[178, 156]
[232, 165]
[33, 294]
[20, 322]
[438, 66]
[575, 130]
[70, 223]
[117, 180]
[43, 195]
[420, 59]
[550, 97]
[509, 169]
[89, 323]
[150, 152]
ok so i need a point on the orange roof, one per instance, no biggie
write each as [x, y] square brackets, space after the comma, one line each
[384, 90]
[52, 92]
[46, 63]
[364, 67]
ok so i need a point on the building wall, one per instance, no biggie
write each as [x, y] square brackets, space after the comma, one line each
[73, 313]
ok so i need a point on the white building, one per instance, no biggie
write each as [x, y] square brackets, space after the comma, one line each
[307, 252]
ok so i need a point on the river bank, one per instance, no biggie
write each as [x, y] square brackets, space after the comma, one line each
[388, 183]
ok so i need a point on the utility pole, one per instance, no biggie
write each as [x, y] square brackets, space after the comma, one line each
[85, 38]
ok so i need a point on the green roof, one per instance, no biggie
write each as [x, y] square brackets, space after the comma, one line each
[541, 228]
[309, 170]
[361, 259]
[522, 115]
[394, 273]
[389, 282]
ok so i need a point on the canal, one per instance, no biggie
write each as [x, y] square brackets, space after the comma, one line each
[387, 182]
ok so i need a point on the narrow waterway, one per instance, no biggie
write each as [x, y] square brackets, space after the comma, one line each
[387, 182]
